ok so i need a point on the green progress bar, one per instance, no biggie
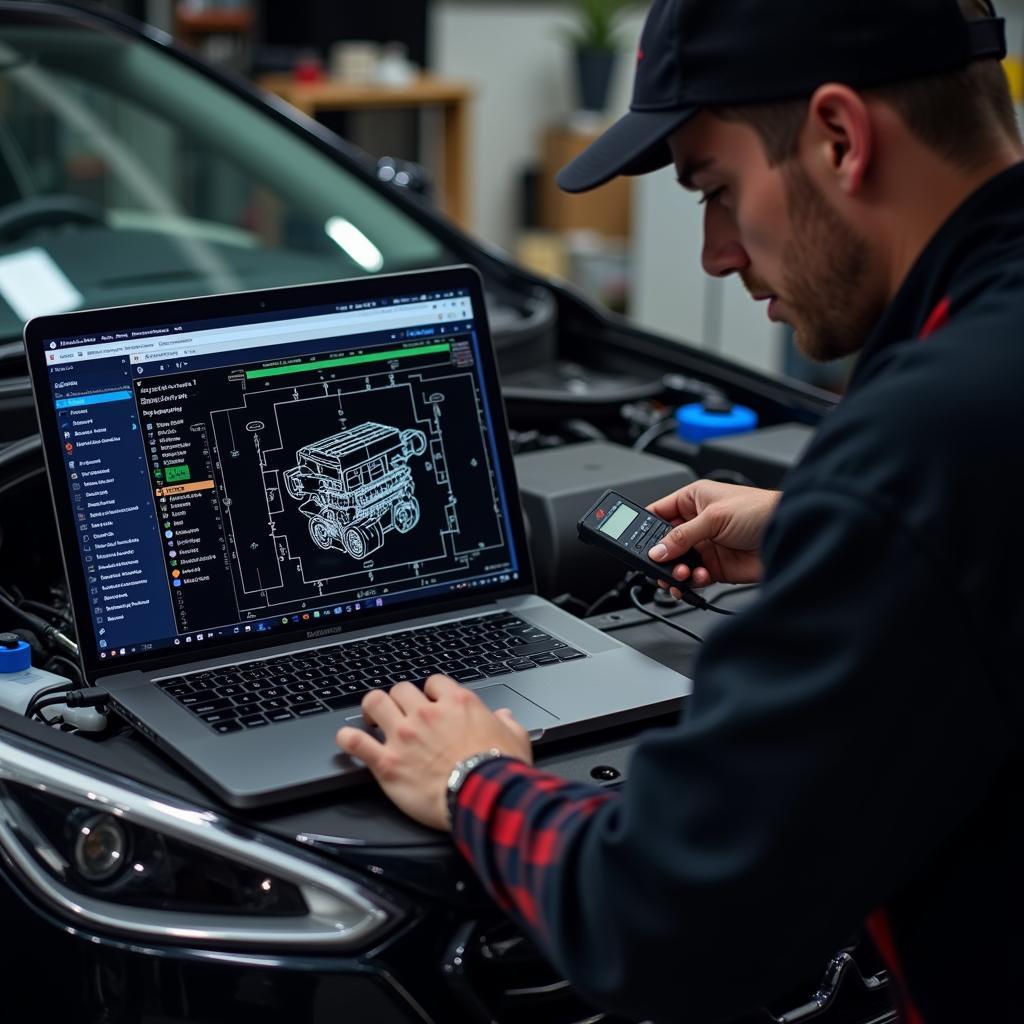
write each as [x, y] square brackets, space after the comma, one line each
[326, 364]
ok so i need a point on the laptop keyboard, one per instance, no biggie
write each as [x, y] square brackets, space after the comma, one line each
[314, 682]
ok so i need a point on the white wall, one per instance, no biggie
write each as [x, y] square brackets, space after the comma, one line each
[516, 57]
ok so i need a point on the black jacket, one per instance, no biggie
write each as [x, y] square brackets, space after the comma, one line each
[854, 742]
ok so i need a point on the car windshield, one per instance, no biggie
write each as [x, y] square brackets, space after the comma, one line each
[127, 176]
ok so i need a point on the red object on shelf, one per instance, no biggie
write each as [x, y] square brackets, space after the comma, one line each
[308, 69]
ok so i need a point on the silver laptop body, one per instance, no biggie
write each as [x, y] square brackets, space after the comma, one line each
[261, 479]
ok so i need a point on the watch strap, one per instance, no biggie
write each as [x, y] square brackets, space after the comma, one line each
[462, 771]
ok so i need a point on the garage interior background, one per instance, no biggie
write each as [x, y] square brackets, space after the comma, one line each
[636, 247]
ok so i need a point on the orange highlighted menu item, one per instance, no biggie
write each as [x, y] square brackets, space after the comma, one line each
[198, 485]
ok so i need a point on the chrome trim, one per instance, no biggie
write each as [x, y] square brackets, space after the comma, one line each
[840, 967]
[312, 838]
[341, 915]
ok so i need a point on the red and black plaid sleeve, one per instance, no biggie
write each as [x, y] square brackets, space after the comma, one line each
[512, 822]
[727, 870]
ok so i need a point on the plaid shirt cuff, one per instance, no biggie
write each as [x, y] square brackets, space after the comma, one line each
[513, 822]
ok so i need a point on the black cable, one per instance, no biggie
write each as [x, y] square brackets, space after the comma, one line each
[664, 426]
[634, 596]
[690, 597]
[618, 591]
[680, 609]
[718, 611]
[38, 607]
[51, 634]
[698, 603]
[610, 595]
[38, 706]
[11, 606]
[76, 678]
[44, 609]
[88, 697]
[32, 707]
[732, 591]
[92, 697]
[564, 600]
[711, 606]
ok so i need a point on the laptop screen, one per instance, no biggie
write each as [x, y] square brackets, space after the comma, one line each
[275, 472]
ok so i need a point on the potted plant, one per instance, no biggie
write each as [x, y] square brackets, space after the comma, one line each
[596, 41]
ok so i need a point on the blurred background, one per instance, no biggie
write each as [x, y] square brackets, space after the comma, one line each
[477, 103]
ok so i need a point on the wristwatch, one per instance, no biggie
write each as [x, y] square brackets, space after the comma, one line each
[461, 772]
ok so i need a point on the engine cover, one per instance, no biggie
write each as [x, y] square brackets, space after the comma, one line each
[559, 484]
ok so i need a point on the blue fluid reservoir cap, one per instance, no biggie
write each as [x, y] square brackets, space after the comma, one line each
[15, 654]
[703, 421]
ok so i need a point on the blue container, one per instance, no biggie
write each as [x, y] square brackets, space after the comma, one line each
[15, 659]
[696, 423]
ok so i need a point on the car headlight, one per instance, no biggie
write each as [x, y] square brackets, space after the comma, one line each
[100, 846]
[137, 863]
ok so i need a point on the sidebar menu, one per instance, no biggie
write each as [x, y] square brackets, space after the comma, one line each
[115, 523]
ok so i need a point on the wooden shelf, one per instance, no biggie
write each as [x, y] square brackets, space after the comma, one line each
[189, 24]
[606, 210]
[452, 98]
[336, 94]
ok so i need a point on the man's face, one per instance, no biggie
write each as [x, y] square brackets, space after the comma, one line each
[774, 227]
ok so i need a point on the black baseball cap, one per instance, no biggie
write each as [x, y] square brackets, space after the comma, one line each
[696, 54]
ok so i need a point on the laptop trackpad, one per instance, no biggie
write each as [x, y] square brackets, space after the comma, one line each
[533, 718]
[530, 716]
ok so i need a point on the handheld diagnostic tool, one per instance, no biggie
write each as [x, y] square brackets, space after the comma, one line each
[628, 531]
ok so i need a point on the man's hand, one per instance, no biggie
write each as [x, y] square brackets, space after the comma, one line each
[426, 734]
[726, 525]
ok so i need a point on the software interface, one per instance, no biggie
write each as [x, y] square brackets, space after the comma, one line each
[238, 476]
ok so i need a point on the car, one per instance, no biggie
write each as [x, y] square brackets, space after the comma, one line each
[131, 172]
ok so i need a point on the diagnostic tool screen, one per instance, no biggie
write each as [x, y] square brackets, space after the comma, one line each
[231, 477]
[619, 522]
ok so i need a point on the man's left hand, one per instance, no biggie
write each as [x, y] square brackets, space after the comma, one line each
[426, 734]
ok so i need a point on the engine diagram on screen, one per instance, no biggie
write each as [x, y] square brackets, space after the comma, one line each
[342, 486]
[356, 487]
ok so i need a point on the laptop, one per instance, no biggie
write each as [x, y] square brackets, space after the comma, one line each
[270, 503]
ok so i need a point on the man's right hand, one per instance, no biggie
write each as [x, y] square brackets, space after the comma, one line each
[726, 525]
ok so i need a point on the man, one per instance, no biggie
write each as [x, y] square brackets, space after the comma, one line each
[853, 748]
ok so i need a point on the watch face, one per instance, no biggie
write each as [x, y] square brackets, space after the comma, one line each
[462, 771]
